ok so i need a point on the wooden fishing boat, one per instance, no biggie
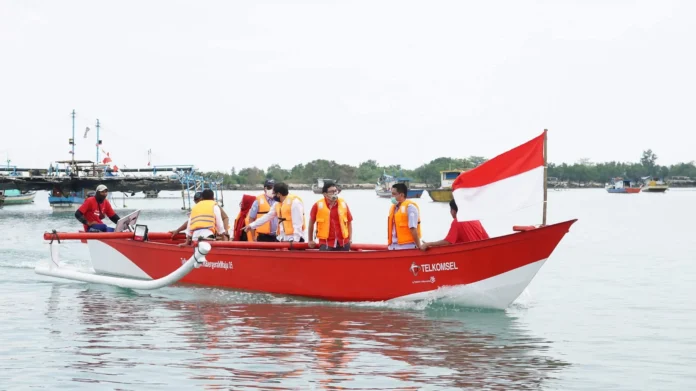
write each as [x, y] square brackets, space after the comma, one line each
[317, 187]
[653, 185]
[621, 186]
[62, 201]
[16, 197]
[385, 183]
[444, 193]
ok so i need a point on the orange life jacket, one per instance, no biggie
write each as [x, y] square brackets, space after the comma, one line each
[400, 218]
[203, 216]
[324, 218]
[284, 211]
[264, 208]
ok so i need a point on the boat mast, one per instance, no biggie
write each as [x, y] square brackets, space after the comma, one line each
[543, 219]
[72, 140]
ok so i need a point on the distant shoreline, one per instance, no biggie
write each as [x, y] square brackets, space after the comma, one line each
[417, 186]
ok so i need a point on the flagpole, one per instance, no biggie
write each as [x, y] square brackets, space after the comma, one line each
[543, 219]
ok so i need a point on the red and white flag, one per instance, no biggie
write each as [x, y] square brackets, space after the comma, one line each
[511, 181]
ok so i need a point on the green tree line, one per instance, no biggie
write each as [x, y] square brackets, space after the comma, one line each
[367, 172]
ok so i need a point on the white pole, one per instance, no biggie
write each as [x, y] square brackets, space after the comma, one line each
[198, 258]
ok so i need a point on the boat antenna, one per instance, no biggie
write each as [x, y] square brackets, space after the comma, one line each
[98, 143]
[72, 140]
[543, 218]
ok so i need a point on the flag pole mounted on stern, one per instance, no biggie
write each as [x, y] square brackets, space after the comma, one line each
[543, 219]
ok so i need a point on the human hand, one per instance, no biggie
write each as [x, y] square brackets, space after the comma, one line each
[311, 244]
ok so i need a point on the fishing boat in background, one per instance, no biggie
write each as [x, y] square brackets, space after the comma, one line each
[653, 185]
[317, 187]
[385, 183]
[16, 197]
[65, 201]
[444, 193]
[622, 186]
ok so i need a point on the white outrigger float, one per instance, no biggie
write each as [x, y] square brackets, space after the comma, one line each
[125, 224]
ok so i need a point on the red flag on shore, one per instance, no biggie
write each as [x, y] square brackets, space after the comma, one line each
[510, 181]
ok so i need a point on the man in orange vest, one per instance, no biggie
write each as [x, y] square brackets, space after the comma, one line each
[262, 205]
[334, 221]
[289, 210]
[403, 227]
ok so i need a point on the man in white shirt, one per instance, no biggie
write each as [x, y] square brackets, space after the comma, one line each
[290, 212]
[205, 221]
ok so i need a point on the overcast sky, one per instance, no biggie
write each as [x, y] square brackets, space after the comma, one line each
[252, 83]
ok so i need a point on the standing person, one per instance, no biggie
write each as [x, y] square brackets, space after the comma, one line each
[460, 231]
[289, 210]
[205, 221]
[93, 210]
[264, 203]
[243, 219]
[403, 228]
[333, 219]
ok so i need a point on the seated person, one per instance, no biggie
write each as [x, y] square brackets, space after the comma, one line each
[460, 231]
[93, 210]
[205, 221]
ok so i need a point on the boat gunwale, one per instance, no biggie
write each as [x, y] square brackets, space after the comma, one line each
[364, 254]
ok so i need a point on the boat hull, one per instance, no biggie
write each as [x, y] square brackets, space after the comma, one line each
[412, 193]
[491, 273]
[441, 195]
[21, 199]
[655, 189]
[65, 203]
[625, 190]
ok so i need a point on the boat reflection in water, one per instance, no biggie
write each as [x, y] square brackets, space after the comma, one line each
[210, 340]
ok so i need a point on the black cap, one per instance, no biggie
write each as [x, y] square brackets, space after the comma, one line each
[198, 195]
[269, 183]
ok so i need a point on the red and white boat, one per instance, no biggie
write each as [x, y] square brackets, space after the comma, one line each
[490, 273]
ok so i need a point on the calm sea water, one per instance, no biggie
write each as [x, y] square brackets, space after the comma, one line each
[614, 308]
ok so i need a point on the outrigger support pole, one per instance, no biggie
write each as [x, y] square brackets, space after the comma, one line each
[54, 269]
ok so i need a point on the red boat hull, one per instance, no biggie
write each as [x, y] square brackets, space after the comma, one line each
[488, 273]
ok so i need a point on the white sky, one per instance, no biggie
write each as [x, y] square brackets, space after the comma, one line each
[242, 83]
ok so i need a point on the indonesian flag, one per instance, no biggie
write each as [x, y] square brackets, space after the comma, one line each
[511, 181]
